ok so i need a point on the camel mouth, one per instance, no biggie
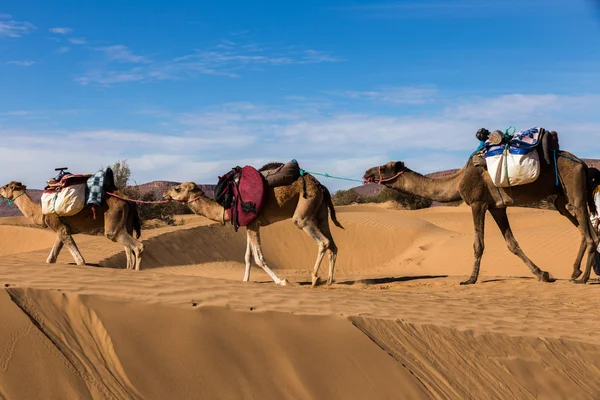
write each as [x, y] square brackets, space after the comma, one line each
[370, 178]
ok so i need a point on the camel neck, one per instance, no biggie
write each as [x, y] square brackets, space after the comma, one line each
[443, 190]
[29, 208]
[209, 209]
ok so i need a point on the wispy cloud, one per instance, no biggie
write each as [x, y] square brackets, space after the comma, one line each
[63, 49]
[339, 143]
[225, 59]
[60, 30]
[78, 41]
[14, 29]
[394, 94]
[122, 54]
[21, 63]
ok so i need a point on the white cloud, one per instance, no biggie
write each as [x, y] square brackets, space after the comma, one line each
[120, 53]
[14, 29]
[201, 145]
[63, 49]
[21, 63]
[226, 59]
[394, 94]
[78, 41]
[60, 31]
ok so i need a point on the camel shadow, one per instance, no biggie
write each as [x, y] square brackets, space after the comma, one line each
[379, 281]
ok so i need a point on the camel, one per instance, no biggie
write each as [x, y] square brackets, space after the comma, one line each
[309, 213]
[473, 185]
[119, 219]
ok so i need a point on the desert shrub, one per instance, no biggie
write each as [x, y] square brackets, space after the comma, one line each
[345, 197]
[147, 212]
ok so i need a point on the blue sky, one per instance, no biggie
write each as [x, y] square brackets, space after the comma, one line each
[185, 90]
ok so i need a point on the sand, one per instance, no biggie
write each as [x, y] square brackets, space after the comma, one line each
[395, 325]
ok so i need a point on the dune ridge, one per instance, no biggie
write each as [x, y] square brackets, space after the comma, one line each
[395, 321]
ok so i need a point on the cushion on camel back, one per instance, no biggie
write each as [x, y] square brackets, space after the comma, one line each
[279, 174]
[241, 192]
[65, 197]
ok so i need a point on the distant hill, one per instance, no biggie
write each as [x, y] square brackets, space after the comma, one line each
[156, 187]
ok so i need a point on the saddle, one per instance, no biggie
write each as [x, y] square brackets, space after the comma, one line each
[241, 192]
[65, 194]
[514, 159]
[528, 139]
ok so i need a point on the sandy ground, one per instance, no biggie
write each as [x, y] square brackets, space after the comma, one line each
[395, 325]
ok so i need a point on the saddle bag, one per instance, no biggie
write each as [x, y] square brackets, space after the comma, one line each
[241, 193]
[66, 197]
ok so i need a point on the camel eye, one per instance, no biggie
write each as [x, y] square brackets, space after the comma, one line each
[177, 189]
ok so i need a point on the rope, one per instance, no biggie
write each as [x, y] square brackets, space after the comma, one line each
[326, 175]
[11, 201]
[138, 201]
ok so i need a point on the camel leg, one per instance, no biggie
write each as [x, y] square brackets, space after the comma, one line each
[259, 258]
[134, 247]
[323, 223]
[115, 229]
[561, 206]
[585, 228]
[53, 256]
[248, 257]
[130, 258]
[72, 247]
[311, 228]
[478, 210]
[501, 219]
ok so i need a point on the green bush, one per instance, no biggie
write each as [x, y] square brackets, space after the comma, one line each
[163, 212]
[345, 197]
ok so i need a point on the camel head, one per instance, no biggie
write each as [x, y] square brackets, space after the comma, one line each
[385, 174]
[185, 192]
[12, 190]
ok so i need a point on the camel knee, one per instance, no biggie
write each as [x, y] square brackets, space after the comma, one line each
[300, 222]
[140, 249]
[112, 236]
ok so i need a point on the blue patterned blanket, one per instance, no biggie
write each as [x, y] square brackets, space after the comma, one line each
[96, 186]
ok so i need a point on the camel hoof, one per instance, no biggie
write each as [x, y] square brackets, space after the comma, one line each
[576, 274]
[285, 282]
[579, 282]
[545, 277]
[329, 282]
[315, 281]
[468, 282]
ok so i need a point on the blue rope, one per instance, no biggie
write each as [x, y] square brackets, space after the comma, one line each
[326, 175]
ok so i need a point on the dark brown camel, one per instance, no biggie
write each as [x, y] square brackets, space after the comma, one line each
[474, 185]
[118, 218]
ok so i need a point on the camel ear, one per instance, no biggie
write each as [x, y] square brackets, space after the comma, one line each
[17, 186]
[399, 166]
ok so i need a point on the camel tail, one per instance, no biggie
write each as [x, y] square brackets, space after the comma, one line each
[592, 182]
[331, 207]
[137, 223]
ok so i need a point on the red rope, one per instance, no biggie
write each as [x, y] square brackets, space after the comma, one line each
[138, 201]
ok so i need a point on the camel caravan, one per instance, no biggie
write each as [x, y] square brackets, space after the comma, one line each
[508, 169]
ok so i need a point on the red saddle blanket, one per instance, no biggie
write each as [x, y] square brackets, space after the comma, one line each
[242, 193]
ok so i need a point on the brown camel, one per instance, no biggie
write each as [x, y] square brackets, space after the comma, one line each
[118, 218]
[474, 185]
[309, 213]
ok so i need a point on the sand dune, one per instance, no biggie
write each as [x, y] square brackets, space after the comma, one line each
[394, 322]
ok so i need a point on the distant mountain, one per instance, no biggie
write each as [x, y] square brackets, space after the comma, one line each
[156, 187]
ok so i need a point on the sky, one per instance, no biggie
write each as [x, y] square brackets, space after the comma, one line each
[186, 90]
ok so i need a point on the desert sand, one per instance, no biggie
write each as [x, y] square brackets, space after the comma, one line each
[395, 325]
